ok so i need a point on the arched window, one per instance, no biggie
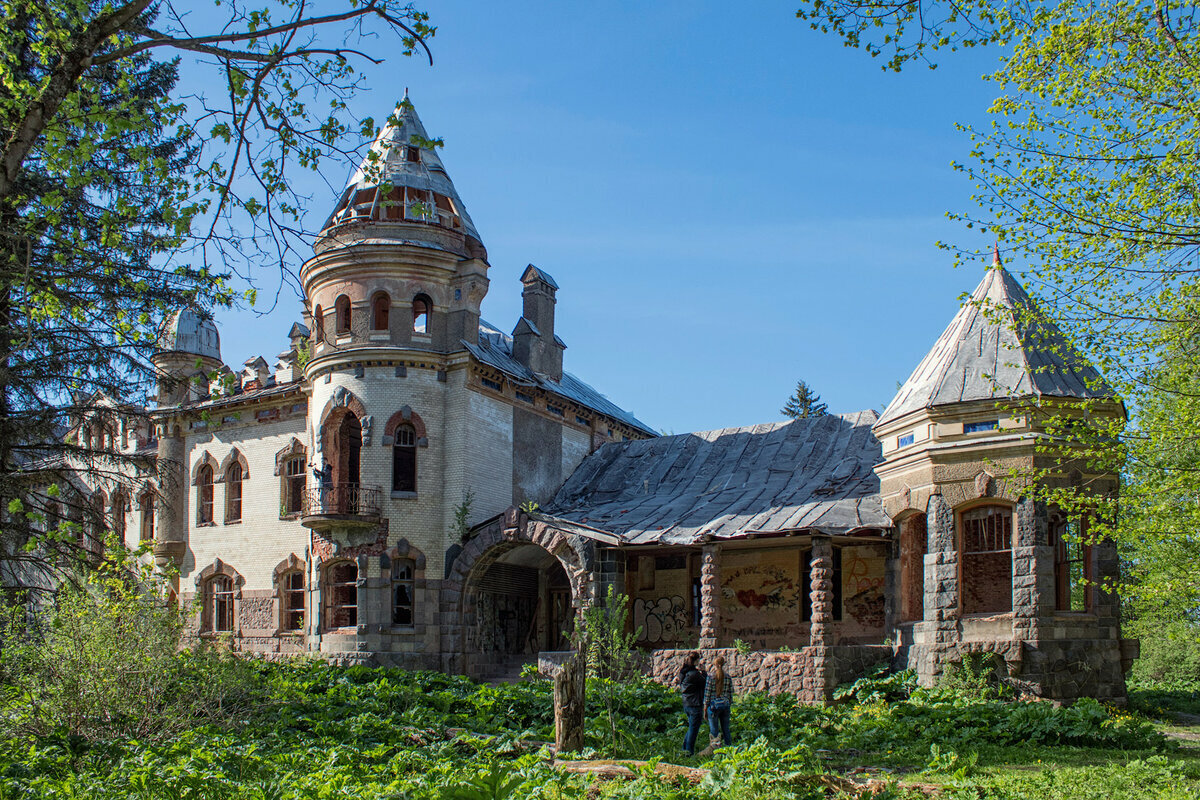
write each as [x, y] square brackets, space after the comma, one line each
[404, 459]
[403, 593]
[421, 307]
[381, 304]
[1072, 564]
[319, 325]
[233, 493]
[92, 536]
[292, 600]
[218, 605]
[341, 309]
[985, 559]
[204, 495]
[341, 595]
[146, 500]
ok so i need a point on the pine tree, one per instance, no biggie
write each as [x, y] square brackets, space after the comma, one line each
[804, 403]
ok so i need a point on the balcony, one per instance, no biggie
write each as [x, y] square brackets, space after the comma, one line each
[341, 505]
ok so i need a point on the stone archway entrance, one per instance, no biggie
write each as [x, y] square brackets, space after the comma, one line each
[523, 606]
[514, 591]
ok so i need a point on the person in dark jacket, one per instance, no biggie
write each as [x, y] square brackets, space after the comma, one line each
[692, 681]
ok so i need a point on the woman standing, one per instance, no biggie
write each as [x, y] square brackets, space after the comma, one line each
[692, 683]
[718, 699]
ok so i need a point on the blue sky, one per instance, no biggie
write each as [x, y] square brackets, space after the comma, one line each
[728, 200]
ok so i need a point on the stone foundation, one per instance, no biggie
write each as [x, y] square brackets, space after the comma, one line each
[810, 673]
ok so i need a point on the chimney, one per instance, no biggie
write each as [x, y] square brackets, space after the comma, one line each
[534, 342]
[256, 375]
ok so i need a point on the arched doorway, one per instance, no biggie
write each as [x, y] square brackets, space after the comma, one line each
[522, 606]
[343, 450]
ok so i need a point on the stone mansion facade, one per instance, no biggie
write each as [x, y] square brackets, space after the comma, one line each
[410, 485]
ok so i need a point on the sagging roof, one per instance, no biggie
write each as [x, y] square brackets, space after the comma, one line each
[987, 354]
[807, 475]
[388, 161]
[494, 348]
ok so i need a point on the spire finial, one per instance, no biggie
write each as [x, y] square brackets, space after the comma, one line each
[996, 255]
[405, 92]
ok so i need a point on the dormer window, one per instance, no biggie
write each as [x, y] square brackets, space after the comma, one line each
[905, 440]
[412, 154]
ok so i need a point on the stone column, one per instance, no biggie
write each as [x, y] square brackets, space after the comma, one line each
[821, 594]
[1033, 569]
[170, 512]
[710, 595]
[938, 632]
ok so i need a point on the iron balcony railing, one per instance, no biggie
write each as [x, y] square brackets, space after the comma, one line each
[342, 500]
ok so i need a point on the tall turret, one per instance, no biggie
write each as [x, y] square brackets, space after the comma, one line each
[187, 350]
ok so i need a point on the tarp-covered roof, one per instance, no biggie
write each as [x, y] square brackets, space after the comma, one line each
[987, 354]
[811, 475]
[495, 349]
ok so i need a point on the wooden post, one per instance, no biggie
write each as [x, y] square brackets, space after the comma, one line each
[570, 685]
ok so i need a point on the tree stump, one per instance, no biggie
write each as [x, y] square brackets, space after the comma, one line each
[570, 685]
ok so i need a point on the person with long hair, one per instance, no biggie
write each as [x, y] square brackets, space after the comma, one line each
[718, 700]
[692, 681]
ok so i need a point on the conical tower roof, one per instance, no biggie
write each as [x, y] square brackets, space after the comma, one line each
[401, 156]
[986, 353]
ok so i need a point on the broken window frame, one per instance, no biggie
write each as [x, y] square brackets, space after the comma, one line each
[1072, 588]
[973, 544]
[233, 493]
[341, 595]
[292, 601]
[219, 609]
[404, 598]
[204, 495]
[295, 480]
[404, 459]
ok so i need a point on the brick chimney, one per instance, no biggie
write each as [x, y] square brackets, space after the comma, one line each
[534, 342]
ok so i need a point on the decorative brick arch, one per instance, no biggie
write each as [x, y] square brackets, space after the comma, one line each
[235, 455]
[292, 563]
[208, 459]
[219, 567]
[404, 549]
[294, 448]
[342, 398]
[405, 415]
[513, 529]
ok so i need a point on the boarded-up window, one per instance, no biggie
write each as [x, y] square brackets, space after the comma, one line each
[912, 568]
[986, 560]
[319, 325]
[341, 308]
[381, 304]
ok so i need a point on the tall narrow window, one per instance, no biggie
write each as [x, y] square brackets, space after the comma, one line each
[412, 154]
[319, 325]
[1072, 565]
[341, 309]
[381, 304]
[421, 308]
[402, 592]
[233, 493]
[912, 567]
[147, 503]
[120, 507]
[404, 460]
[204, 495]
[293, 485]
[293, 601]
[986, 560]
[341, 589]
[219, 605]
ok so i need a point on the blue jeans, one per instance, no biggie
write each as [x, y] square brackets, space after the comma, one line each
[719, 716]
[694, 715]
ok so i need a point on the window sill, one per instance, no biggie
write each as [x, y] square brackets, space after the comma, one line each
[407, 629]
[343, 339]
[206, 524]
[379, 336]
[237, 521]
[423, 338]
[403, 495]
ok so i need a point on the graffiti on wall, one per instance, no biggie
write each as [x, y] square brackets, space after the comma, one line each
[862, 581]
[662, 619]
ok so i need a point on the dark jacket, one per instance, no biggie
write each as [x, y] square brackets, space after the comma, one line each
[691, 685]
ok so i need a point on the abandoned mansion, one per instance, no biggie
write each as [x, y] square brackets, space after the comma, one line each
[410, 485]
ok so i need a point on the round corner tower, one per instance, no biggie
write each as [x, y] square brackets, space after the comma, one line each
[392, 292]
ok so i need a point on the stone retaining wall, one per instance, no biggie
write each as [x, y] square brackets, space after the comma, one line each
[810, 673]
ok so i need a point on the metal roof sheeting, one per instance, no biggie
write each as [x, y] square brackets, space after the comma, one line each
[495, 349]
[985, 354]
[811, 474]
